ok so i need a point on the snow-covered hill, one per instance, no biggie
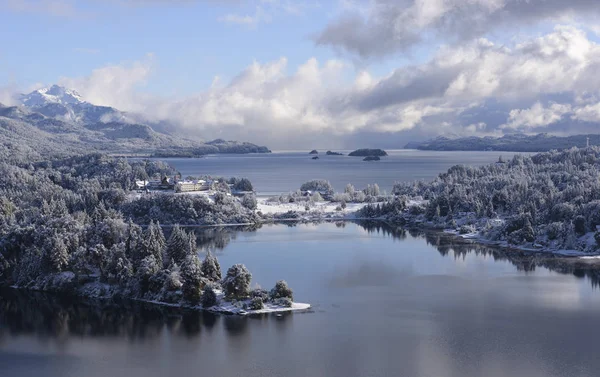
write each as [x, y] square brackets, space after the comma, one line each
[54, 94]
[67, 105]
[57, 120]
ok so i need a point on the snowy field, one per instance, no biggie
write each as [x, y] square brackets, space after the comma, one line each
[266, 207]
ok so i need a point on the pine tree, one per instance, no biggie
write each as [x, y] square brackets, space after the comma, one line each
[133, 240]
[155, 241]
[211, 269]
[191, 273]
[178, 245]
[209, 297]
[57, 253]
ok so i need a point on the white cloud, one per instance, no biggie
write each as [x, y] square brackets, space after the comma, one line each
[588, 113]
[390, 26]
[537, 116]
[114, 85]
[470, 89]
[266, 10]
[259, 16]
[7, 95]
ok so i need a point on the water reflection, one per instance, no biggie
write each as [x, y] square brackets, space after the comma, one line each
[430, 305]
[58, 317]
[219, 237]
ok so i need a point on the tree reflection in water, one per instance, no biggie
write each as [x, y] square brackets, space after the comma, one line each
[58, 317]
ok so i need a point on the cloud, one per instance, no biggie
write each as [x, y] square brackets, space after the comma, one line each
[266, 10]
[549, 82]
[537, 116]
[115, 85]
[8, 95]
[259, 16]
[391, 26]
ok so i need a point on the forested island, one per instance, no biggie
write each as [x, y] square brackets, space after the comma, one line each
[368, 153]
[512, 143]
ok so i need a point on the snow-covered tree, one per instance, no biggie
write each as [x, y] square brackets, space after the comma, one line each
[191, 273]
[236, 283]
[154, 242]
[56, 253]
[280, 290]
[209, 297]
[243, 184]
[249, 201]
[180, 245]
[147, 268]
[211, 269]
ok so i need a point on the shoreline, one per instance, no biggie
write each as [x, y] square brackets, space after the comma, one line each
[223, 308]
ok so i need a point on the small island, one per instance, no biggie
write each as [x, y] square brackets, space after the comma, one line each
[372, 158]
[315, 158]
[314, 151]
[368, 153]
[330, 153]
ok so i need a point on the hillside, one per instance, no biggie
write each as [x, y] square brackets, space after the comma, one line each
[509, 143]
[56, 121]
[547, 201]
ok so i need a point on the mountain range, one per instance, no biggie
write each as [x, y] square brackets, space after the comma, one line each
[510, 143]
[57, 121]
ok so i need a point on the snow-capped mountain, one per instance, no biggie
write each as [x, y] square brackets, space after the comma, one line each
[56, 119]
[54, 94]
[67, 105]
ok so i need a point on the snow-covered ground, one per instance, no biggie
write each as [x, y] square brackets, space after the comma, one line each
[266, 207]
[230, 308]
[477, 237]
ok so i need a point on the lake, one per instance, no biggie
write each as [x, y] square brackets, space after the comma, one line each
[386, 302]
[281, 172]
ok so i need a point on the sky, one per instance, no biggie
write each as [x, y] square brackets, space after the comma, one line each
[316, 73]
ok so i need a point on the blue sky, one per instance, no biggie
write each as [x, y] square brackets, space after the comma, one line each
[346, 71]
[191, 43]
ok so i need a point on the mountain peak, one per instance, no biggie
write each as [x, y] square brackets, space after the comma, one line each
[54, 94]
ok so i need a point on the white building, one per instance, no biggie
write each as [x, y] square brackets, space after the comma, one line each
[188, 186]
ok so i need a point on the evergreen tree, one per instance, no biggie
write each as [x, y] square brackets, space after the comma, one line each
[133, 240]
[528, 232]
[191, 273]
[209, 297]
[147, 268]
[179, 246]
[211, 269]
[57, 253]
[155, 242]
[281, 290]
[236, 283]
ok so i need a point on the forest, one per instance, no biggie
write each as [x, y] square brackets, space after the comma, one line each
[550, 200]
[74, 225]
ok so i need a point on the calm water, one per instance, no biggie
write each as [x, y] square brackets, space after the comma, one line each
[280, 172]
[386, 303]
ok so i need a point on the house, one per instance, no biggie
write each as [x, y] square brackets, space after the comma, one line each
[164, 184]
[190, 186]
